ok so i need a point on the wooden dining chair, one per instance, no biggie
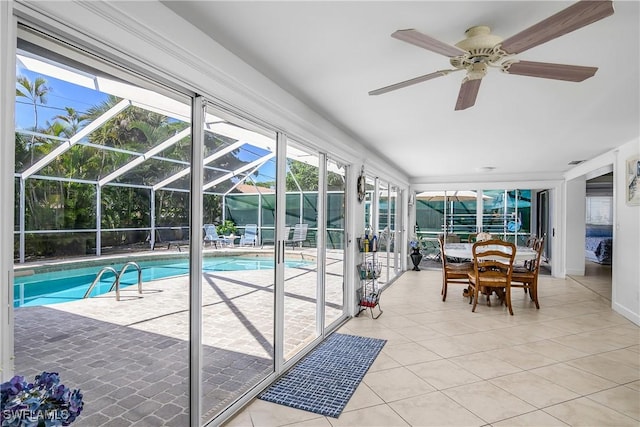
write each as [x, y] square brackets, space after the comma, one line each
[492, 270]
[527, 278]
[452, 272]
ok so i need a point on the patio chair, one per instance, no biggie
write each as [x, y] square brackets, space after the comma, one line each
[211, 235]
[299, 234]
[250, 236]
[171, 236]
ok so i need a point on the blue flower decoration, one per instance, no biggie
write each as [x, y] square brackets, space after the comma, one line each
[43, 403]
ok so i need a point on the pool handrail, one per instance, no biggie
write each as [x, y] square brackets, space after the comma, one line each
[97, 279]
[117, 282]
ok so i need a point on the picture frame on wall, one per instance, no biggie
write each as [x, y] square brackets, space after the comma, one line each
[632, 181]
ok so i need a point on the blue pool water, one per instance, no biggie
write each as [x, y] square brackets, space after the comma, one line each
[72, 284]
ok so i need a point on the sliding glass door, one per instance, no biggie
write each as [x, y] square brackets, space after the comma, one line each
[301, 278]
[335, 241]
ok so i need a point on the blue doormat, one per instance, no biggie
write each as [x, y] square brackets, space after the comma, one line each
[325, 379]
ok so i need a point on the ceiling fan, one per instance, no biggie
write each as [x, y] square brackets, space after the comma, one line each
[481, 49]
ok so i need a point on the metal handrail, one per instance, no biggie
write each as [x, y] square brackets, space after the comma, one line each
[97, 279]
[117, 282]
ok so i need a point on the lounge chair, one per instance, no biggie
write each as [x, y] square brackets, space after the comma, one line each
[171, 236]
[211, 235]
[250, 236]
[299, 234]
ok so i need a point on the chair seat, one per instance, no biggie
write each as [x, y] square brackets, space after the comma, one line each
[520, 276]
[521, 269]
[489, 281]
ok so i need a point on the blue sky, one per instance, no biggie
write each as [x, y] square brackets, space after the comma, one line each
[62, 94]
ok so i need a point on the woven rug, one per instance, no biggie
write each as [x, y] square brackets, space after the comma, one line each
[324, 380]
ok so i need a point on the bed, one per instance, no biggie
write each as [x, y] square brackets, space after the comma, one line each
[599, 243]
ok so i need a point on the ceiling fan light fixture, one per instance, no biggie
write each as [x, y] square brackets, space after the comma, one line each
[481, 49]
[476, 71]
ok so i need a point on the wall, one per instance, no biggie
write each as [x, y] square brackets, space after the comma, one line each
[625, 298]
[575, 191]
[626, 242]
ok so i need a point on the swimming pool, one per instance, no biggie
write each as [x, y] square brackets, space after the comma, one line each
[71, 284]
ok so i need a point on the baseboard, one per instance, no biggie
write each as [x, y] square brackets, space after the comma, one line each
[624, 311]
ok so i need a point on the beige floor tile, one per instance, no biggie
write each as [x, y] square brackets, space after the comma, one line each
[531, 419]
[489, 368]
[628, 357]
[483, 366]
[586, 412]
[553, 350]
[521, 358]
[622, 399]
[409, 353]
[243, 419]
[452, 328]
[434, 409]
[443, 374]
[316, 422]
[391, 336]
[375, 416]
[591, 343]
[269, 414]
[382, 362]
[635, 385]
[606, 368]
[363, 397]
[420, 333]
[574, 379]
[397, 322]
[445, 347]
[534, 389]
[396, 384]
[480, 399]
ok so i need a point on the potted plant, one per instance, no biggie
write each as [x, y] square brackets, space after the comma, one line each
[227, 228]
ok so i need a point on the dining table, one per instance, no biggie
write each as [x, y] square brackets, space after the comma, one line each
[464, 251]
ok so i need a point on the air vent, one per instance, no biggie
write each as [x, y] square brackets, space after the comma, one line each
[575, 162]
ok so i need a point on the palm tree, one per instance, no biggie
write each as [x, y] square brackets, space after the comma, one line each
[36, 93]
[73, 121]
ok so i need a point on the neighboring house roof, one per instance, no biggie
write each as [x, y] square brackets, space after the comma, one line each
[250, 188]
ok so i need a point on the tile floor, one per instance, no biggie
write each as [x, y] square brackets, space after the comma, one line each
[597, 277]
[573, 362]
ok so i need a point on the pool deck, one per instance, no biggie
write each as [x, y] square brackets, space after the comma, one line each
[130, 357]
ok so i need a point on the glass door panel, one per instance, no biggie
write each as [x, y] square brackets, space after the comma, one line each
[506, 214]
[385, 232]
[301, 252]
[124, 347]
[238, 273]
[335, 242]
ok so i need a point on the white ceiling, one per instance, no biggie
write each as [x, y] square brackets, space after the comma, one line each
[331, 54]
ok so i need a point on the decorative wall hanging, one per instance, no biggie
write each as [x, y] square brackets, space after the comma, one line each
[361, 186]
[632, 181]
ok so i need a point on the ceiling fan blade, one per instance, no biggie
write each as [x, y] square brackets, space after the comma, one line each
[468, 93]
[576, 16]
[411, 82]
[570, 73]
[424, 41]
